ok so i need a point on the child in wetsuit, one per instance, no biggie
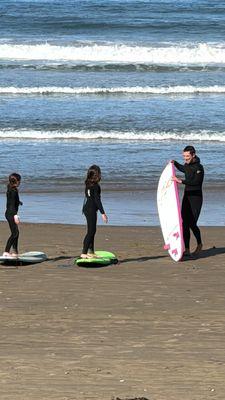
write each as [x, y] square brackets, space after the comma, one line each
[12, 206]
[92, 204]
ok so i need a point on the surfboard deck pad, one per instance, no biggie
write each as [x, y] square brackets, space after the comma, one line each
[31, 257]
[104, 258]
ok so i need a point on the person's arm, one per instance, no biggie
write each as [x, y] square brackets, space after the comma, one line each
[194, 179]
[18, 202]
[97, 199]
[179, 166]
[14, 199]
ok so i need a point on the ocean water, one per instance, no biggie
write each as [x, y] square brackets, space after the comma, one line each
[125, 85]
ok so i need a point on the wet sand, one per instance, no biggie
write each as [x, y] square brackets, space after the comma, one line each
[146, 327]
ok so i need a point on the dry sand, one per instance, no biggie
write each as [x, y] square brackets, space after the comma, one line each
[146, 327]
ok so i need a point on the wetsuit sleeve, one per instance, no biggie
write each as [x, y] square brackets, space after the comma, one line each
[180, 167]
[97, 199]
[194, 178]
[13, 202]
[17, 200]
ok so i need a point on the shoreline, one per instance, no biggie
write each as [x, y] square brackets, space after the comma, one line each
[123, 208]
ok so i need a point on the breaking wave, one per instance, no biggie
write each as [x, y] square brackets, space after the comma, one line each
[52, 90]
[194, 136]
[178, 54]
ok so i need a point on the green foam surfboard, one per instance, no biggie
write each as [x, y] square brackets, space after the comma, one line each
[104, 258]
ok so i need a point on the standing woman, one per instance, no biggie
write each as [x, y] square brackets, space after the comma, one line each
[12, 206]
[92, 204]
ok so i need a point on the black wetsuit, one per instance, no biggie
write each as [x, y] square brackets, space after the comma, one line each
[91, 206]
[192, 200]
[12, 207]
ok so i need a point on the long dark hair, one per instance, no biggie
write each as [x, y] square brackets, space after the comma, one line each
[14, 179]
[93, 176]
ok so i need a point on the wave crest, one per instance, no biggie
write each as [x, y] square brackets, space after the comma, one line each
[195, 54]
[193, 136]
[51, 90]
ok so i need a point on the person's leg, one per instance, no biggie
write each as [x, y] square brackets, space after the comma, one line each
[15, 244]
[10, 239]
[91, 247]
[197, 234]
[92, 230]
[13, 239]
[88, 243]
[196, 205]
[185, 213]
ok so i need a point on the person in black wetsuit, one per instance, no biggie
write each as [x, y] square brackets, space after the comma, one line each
[92, 204]
[12, 206]
[192, 200]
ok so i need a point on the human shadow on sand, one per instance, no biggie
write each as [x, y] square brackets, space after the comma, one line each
[73, 259]
[211, 252]
[206, 253]
[141, 259]
[97, 266]
[59, 258]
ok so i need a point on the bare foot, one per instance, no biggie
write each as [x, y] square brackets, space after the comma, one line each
[198, 249]
[10, 255]
[6, 254]
[13, 254]
[85, 256]
[93, 255]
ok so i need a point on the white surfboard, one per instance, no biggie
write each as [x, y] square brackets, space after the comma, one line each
[32, 257]
[169, 210]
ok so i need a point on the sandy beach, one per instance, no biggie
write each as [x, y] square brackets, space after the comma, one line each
[146, 327]
[124, 85]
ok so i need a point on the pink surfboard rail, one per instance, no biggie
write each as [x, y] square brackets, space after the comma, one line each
[178, 205]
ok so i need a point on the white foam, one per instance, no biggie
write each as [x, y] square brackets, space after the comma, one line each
[193, 136]
[48, 90]
[199, 53]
